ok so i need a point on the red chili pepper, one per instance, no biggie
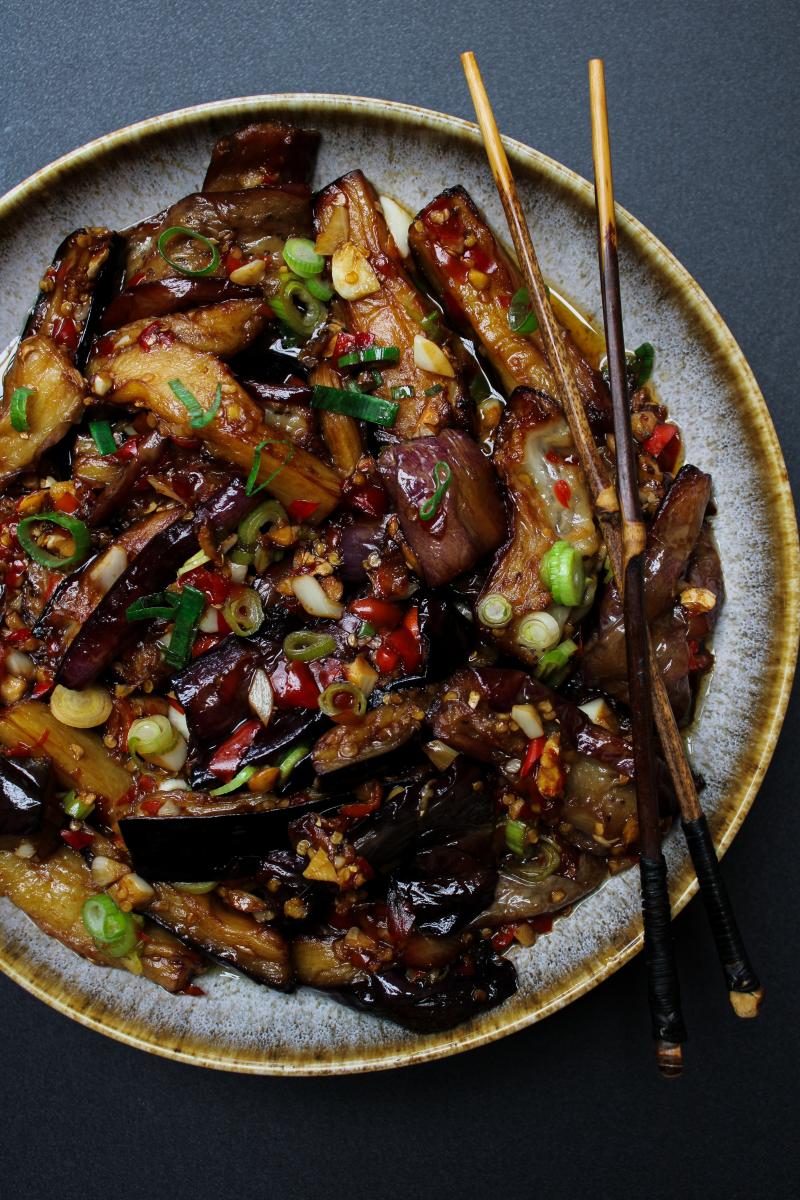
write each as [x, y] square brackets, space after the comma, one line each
[66, 502]
[502, 939]
[224, 762]
[41, 689]
[127, 451]
[214, 587]
[407, 646]
[205, 642]
[562, 492]
[66, 333]
[379, 613]
[78, 839]
[363, 340]
[362, 808]
[411, 621]
[155, 334]
[152, 807]
[19, 635]
[534, 753]
[386, 659]
[233, 260]
[191, 989]
[135, 279]
[369, 498]
[661, 436]
[300, 510]
[294, 686]
[345, 344]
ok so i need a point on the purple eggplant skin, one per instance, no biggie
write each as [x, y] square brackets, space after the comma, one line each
[359, 539]
[470, 520]
[280, 875]
[162, 297]
[196, 848]
[148, 453]
[264, 152]
[24, 788]
[428, 1007]
[107, 631]
[442, 892]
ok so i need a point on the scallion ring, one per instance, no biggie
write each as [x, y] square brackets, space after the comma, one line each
[516, 837]
[188, 613]
[103, 437]
[199, 417]
[562, 573]
[355, 404]
[271, 512]
[538, 631]
[494, 611]
[76, 808]
[75, 528]
[244, 612]
[305, 646]
[301, 257]
[370, 354]
[151, 736]
[181, 231]
[319, 289]
[250, 486]
[233, 785]
[18, 409]
[552, 663]
[521, 317]
[114, 932]
[355, 705]
[148, 608]
[406, 392]
[544, 858]
[290, 760]
[297, 308]
[442, 477]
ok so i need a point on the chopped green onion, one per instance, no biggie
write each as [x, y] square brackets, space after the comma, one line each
[328, 705]
[305, 646]
[195, 889]
[233, 785]
[18, 410]
[405, 392]
[553, 662]
[434, 389]
[297, 308]
[181, 231]
[244, 612]
[645, 357]
[544, 857]
[290, 760]
[250, 486]
[442, 477]
[516, 837]
[103, 437]
[494, 611]
[198, 416]
[76, 808]
[367, 630]
[521, 317]
[249, 531]
[151, 736]
[370, 354]
[114, 932]
[159, 604]
[188, 613]
[301, 257]
[431, 326]
[562, 574]
[77, 530]
[320, 290]
[538, 631]
[355, 404]
[197, 560]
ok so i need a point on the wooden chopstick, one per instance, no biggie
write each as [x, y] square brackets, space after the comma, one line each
[662, 978]
[743, 985]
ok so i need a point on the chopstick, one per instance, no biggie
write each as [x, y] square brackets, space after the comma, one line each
[668, 1028]
[744, 989]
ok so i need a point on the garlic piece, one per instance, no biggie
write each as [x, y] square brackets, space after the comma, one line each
[352, 275]
[430, 357]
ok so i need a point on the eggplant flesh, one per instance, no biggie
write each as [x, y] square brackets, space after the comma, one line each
[164, 297]
[24, 786]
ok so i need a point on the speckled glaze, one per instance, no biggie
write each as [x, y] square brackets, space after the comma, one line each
[701, 374]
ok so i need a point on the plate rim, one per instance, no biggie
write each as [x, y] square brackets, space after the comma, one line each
[489, 1027]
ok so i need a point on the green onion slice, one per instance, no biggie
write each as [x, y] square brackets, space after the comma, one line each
[494, 611]
[562, 573]
[233, 785]
[187, 614]
[645, 357]
[195, 889]
[198, 416]
[271, 512]
[290, 760]
[367, 630]
[521, 317]
[356, 404]
[516, 837]
[431, 326]
[18, 410]
[434, 389]
[301, 257]
[553, 661]
[80, 536]
[159, 604]
[442, 477]
[181, 231]
[114, 931]
[76, 808]
[328, 705]
[319, 289]
[305, 646]
[543, 858]
[103, 437]
[244, 612]
[405, 392]
[370, 354]
[297, 307]
[250, 486]
[151, 736]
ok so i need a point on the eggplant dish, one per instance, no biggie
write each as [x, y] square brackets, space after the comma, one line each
[309, 661]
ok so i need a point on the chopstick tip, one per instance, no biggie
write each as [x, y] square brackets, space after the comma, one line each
[746, 1004]
[669, 1059]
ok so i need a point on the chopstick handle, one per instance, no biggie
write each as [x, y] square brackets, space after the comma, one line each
[662, 976]
[744, 987]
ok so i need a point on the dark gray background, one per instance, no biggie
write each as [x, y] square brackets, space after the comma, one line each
[705, 105]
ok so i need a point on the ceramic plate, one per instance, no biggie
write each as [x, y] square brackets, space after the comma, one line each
[701, 374]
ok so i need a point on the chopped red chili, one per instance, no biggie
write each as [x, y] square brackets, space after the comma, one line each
[214, 587]
[78, 839]
[379, 613]
[224, 762]
[301, 510]
[294, 686]
[562, 492]
[534, 753]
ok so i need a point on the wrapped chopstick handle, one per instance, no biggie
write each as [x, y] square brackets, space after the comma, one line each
[742, 982]
[665, 1000]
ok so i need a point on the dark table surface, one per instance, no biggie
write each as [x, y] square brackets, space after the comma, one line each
[705, 108]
